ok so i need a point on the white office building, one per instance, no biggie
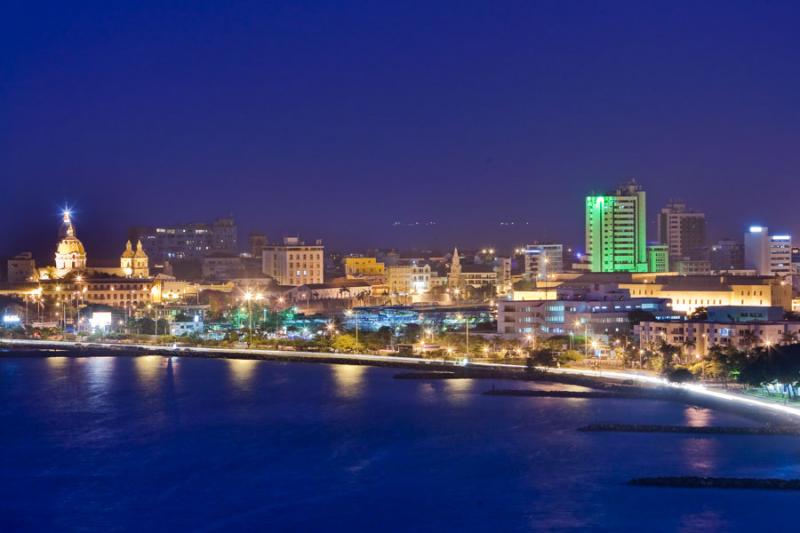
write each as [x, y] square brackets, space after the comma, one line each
[542, 260]
[768, 255]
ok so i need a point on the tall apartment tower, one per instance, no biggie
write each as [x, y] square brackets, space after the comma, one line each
[616, 230]
[684, 232]
[768, 255]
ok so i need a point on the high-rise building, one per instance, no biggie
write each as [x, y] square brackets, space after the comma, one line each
[768, 255]
[684, 232]
[541, 260]
[187, 241]
[616, 230]
[294, 262]
[727, 254]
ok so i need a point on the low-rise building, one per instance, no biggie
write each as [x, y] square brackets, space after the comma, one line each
[690, 292]
[363, 267]
[22, 268]
[597, 318]
[222, 266]
[698, 336]
[408, 279]
[342, 290]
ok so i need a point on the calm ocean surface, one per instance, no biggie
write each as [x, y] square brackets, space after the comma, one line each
[142, 443]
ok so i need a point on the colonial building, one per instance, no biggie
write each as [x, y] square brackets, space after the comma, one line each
[134, 264]
[70, 253]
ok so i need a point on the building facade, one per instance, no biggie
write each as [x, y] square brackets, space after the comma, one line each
[727, 254]
[616, 230]
[768, 255]
[408, 279]
[657, 258]
[688, 293]
[187, 241]
[134, 263]
[21, 268]
[542, 260]
[294, 263]
[363, 267]
[683, 231]
[699, 336]
[596, 318]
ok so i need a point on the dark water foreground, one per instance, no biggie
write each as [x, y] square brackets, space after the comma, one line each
[142, 443]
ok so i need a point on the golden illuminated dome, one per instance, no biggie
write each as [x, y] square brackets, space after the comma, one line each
[70, 253]
[69, 246]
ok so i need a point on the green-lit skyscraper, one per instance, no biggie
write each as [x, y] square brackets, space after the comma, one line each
[616, 230]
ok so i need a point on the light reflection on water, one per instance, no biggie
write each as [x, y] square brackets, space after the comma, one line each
[698, 416]
[57, 362]
[349, 380]
[99, 372]
[148, 368]
[242, 371]
[458, 390]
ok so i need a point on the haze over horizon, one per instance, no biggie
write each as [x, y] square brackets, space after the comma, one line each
[336, 121]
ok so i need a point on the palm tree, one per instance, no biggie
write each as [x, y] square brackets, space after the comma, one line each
[688, 346]
[789, 337]
[748, 339]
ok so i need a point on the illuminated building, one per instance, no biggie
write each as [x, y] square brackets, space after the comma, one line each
[519, 318]
[134, 264]
[70, 253]
[542, 260]
[699, 336]
[293, 262]
[478, 276]
[657, 258]
[616, 230]
[768, 255]
[363, 267]
[408, 279]
[690, 292]
[454, 275]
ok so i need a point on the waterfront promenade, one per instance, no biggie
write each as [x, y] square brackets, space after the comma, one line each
[697, 390]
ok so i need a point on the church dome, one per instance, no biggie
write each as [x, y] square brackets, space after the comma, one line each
[70, 245]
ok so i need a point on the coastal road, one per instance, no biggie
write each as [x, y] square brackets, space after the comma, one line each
[645, 379]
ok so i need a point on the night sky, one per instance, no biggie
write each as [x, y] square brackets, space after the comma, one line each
[336, 119]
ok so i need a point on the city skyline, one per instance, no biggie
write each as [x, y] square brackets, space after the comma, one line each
[335, 122]
[425, 235]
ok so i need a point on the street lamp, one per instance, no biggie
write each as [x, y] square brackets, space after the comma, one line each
[466, 328]
[249, 297]
[350, 313]
[63, 316]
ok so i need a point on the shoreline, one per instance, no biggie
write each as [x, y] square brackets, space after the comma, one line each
[642, 386]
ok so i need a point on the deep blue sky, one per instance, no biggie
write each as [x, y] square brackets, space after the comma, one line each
[334, 119]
